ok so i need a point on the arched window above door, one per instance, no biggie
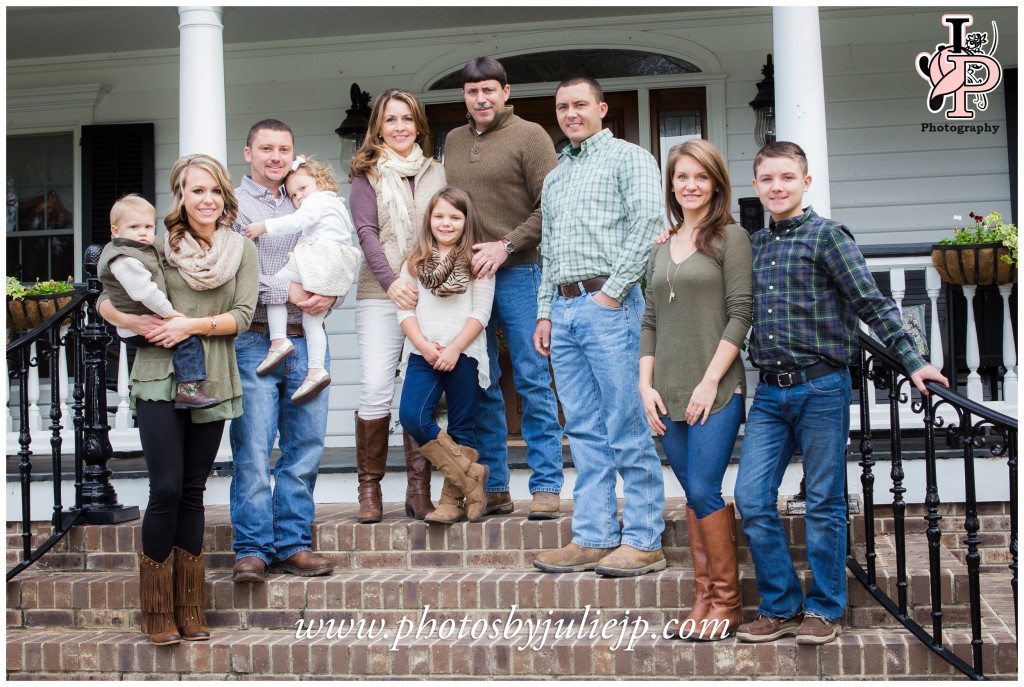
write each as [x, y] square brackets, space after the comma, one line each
[555, 65]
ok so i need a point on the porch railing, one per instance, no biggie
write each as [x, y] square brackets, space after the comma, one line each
[973, 430]
[75, 332]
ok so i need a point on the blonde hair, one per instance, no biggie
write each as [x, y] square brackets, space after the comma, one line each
[719, 214]
[132, 202]
[423, 249]
[365, 160]
[320, 172]
[176, 219]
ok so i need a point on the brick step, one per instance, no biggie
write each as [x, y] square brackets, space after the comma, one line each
[40, 599]
[256, 654]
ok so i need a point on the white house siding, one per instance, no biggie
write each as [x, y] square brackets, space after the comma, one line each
[890, 182]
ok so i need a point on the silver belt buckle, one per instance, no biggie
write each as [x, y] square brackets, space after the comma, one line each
[789, 377]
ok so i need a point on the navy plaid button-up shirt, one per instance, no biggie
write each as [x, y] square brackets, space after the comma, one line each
[810, 285]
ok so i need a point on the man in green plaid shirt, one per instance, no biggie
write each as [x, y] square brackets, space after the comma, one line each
[602, 207]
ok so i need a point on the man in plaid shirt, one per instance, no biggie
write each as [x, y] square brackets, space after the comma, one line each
[272, 526]
[601, 207]
[811, 284]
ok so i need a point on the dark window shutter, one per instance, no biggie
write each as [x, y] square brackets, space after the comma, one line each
[116, 159]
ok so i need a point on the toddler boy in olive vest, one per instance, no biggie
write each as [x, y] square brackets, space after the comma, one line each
[131, 272]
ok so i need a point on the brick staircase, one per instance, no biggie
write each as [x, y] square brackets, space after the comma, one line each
[74, 614]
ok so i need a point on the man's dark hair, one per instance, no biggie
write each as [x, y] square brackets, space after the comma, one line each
[595, 87]
[270, 124]
[484, 69]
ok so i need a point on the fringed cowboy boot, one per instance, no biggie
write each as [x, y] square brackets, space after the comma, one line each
[156, 599]
[190, 595]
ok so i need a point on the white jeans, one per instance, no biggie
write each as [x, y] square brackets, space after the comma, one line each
[380, 352]
[312, 325]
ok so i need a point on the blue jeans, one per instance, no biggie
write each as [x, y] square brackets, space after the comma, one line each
[814, 416]
[422, 390]
[700, 454]
[515, 313]
[187, 356]
[274, 524]
[595, 355]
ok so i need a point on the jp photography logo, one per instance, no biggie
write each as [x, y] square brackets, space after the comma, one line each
[961, 74]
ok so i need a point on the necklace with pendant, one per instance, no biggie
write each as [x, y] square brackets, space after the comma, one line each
[671, 278]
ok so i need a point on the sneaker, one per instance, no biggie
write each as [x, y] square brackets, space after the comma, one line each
[766, 629]
[816, 630]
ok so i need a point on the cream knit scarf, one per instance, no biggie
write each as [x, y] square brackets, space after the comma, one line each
[392, 169]
[207, 268]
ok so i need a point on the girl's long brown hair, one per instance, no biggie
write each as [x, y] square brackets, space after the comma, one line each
[364, 162]
[424, 246]
[712, 227]
[176, 219]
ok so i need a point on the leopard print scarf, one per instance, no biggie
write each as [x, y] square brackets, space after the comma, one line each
[445, 277]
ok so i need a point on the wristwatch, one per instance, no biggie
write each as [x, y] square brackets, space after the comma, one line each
[509, 248]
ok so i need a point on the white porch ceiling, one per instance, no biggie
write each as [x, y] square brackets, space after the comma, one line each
[41, 32]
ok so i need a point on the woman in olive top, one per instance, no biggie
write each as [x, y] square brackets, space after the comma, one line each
[699, 303]
[212, 278]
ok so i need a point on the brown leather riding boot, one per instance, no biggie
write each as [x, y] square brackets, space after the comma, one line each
[190, 595]
[701, 584]
[459, 464]
[451, 508]
[718, 531]
[371, 459]
[156, 600]
[417, 471]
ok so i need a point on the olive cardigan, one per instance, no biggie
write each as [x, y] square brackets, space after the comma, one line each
[713, 302]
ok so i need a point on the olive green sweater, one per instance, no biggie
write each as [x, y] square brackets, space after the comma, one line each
[714, 302]
[503, 171]
[153, 371]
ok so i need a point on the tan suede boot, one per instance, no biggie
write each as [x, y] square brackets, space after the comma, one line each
[371, 460]
[190, 596]
[459, 464]
[718, 531]
[417, 470]
[451, 508]
[156, 600]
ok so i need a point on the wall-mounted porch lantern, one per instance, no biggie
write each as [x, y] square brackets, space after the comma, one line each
[764, 106]
[353, 128]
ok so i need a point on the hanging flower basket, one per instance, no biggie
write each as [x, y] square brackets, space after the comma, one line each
[29, 312]
[978, 264]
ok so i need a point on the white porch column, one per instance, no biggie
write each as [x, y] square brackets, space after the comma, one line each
[800, 95]
[201, 110]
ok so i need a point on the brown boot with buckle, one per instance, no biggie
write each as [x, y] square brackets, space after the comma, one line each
[718, 532]
[190, 596]
[628, 561]
[156, 600]
[371, 460]
[451, 508]
[570, 558]
[417, 471]
[459, 464]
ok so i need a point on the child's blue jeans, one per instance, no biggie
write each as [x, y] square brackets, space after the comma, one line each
[189, 361]
[422, 390]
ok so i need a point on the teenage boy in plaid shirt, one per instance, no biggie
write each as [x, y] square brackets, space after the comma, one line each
[811, 284]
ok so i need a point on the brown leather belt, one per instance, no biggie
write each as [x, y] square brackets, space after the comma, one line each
[578, 288]
[294, 329]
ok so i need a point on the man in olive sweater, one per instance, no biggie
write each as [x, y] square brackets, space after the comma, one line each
[501, 160]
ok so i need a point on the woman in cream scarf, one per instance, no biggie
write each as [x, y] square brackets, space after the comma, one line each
[393, 178]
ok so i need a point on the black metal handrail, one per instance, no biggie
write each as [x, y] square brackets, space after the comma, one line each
[975, 427]
[85, 338]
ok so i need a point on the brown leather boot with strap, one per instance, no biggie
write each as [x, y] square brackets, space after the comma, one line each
[451, 508]
[371, 460]
[459, 464]
[156, 600]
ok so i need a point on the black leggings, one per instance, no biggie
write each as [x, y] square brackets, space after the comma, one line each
[179, 455]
